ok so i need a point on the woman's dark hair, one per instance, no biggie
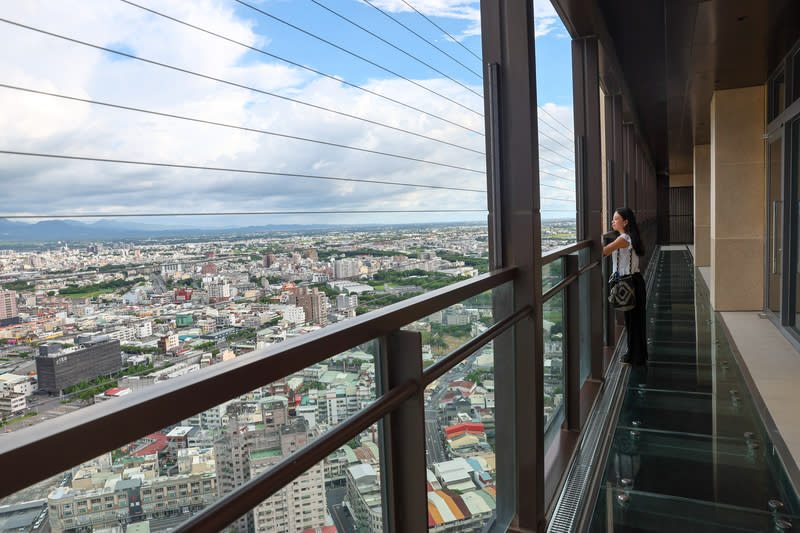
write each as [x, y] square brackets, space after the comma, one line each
[632, 229]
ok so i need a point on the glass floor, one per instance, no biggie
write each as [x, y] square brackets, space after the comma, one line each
[690, 453]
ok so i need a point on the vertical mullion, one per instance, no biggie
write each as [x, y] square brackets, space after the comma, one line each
[572, 348]
[403, 457]
[586, 90]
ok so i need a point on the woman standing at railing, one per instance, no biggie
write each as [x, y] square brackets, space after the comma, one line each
[626, 250]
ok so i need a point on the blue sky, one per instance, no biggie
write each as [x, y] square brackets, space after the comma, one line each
[439, 115]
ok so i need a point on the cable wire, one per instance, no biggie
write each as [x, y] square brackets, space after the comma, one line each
[568, 158]
[230, 213]
[556, 187]
[540, 159]
[293, 63]
[421, 37]
[359, 57]
[233, 126]
[554, 118]
[236, 170]
[443, 31]
[569, 148]
[555, 130]
[556, 176]
[557, 199]
[231, 83]
[415, 58]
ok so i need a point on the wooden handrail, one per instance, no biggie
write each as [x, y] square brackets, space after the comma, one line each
[119, 422]
[558, 253]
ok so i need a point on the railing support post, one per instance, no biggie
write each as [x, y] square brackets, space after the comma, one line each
[403, 478]
[572, 348]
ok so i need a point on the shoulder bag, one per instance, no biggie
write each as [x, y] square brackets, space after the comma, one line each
[621, 294]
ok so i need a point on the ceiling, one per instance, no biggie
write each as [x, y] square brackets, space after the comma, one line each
[668, 56]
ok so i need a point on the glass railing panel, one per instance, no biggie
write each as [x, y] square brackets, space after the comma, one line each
[554, 381]
[552, 273]
[169, 475]
[460, 417]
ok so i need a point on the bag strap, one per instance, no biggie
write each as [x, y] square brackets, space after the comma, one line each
[630, 258]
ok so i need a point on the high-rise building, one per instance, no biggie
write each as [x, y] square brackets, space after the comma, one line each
[346, 268]
[8, 307]
[269, 260]
[245, 450]
[313, 302]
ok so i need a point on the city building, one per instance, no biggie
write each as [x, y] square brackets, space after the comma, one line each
[8, 308]
[345, 268]
[12, 403]
[313, 302]
[168, 343]
[244, 450]
[57, 369]
[131, 500]
[364, 498]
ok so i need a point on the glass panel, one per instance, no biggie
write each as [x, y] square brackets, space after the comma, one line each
[796, 75]
[552, 274]
[794, 179]
[167, 476]
[585, 315]
[554, 384]
[777, 96]
[460, 416]
[774, 244]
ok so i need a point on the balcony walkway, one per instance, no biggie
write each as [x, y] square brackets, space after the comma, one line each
[690, 450]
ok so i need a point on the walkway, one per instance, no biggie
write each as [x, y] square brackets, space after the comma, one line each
[690, 452]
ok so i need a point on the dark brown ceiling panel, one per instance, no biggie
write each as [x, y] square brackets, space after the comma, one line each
[668, 57]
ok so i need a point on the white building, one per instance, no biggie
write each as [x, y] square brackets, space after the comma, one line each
[346, 268]
[17, 384]
[12, 403]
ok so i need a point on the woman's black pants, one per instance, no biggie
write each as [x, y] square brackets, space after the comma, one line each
[636, 324]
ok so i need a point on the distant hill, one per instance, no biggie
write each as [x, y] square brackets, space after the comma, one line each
[71, 230]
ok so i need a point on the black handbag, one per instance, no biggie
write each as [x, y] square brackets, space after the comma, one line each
[621, 294]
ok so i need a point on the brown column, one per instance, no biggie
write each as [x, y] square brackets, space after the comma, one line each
[702, 205]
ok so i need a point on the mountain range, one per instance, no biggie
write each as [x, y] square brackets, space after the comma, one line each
[71, 230]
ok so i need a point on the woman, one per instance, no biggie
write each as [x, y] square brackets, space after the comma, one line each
[626, 250]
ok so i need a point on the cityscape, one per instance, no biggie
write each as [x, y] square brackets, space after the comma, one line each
[84, 322]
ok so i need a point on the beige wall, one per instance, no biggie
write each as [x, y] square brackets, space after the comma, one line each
[737, 199]
[702, 205]
[680, 180]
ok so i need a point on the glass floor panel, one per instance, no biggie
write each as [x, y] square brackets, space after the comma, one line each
[690, 452]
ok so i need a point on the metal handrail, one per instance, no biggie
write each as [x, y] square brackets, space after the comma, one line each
[558, 253]
[252, 493]
[114, 424]
[438, 369]
[552, 291]
[245, 497]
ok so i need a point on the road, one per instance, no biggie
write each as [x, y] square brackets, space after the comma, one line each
[341, 516]
[434, 450]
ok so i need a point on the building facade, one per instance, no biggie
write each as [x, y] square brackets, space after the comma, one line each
[56, 369]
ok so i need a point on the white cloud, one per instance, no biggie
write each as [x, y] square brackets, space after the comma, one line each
[37, 123]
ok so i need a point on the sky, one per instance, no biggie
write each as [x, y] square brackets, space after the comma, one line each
[388, 90]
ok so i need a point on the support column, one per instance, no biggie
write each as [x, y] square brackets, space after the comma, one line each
[737, 199]
[702, 205]
[513, 177]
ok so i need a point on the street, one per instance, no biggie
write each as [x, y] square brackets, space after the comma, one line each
[341, 516]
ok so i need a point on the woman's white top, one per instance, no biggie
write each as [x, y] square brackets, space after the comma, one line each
[622, 256]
